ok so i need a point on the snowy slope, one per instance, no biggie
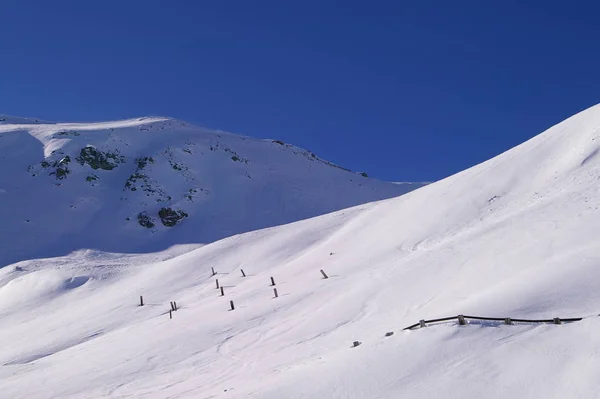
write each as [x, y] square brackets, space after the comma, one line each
[515, 236]
[70, 186]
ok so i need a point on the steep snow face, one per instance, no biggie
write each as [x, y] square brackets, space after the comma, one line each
[144, 184]
[513, 237]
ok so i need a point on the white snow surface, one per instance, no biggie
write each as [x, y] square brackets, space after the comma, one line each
[54, 202]
[515, 236]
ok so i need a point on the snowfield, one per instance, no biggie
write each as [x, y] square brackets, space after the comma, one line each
[516, 236]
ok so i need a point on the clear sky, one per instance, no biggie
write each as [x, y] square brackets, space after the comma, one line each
[404, 90]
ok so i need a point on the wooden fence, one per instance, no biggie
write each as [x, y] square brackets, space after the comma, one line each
[462, 320]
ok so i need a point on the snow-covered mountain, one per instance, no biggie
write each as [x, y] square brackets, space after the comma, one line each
[148, 183]
[515, 236]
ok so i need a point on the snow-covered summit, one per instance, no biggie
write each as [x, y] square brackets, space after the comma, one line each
[147, 183]
[16, 120]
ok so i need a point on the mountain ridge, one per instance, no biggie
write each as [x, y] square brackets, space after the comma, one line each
[154, 174]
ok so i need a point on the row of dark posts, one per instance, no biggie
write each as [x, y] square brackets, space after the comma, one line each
[275, 292]
[174, 307]
[221, 288]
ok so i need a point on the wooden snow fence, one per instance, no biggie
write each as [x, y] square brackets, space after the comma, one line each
[462, 320]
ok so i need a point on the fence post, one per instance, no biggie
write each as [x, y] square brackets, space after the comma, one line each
[175, 305]
[275, 292]
[461, 320]
[272, 281]
[222, 293]
[213, 271]
[170, 314]
[508, 321]
[231, 304]
[141, 300]
[422, 324]
[324, 274]
[217, 282]
[243, 274]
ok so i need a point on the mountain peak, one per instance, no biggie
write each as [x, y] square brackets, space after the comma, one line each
[148, 183]
[17, 120]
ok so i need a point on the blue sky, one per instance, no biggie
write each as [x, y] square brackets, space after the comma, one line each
[411, 91]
